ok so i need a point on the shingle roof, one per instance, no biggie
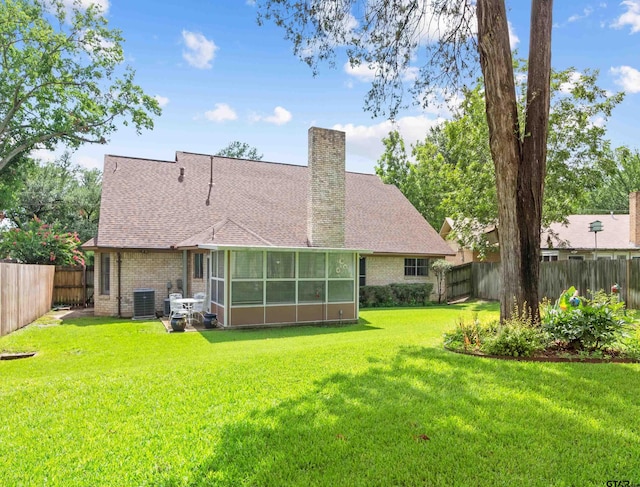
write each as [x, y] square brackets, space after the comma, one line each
[576, 235]
[252, 203]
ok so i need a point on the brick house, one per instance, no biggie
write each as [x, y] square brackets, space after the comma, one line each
[619, 238]
[464, 255]
[268, 243]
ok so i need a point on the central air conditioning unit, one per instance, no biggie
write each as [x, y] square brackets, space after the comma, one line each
[144, 304]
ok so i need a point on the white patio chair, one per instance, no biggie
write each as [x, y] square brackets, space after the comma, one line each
[174, 306]
[199, 308]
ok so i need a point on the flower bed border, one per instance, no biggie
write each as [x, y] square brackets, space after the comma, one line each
[541, 358]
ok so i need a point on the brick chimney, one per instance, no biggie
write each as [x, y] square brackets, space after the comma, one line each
[634, 218]
[326, 197]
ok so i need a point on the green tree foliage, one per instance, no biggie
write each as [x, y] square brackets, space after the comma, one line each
[452, 173]
[624, 178]
[12, 180]
[40, 243]
[61, 79]
[60, 193]
[240, 150]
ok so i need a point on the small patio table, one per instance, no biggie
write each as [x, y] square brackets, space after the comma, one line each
[187, 304]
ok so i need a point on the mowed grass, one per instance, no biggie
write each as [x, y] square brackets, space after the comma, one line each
[380, 403]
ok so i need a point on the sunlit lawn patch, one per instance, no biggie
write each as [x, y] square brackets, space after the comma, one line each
[114, 402]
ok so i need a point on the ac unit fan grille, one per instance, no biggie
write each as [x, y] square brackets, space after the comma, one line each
[144, 304]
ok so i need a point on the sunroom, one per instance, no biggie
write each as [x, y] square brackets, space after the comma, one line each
[274, 286]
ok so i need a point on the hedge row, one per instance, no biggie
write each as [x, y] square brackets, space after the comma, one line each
[395, 295]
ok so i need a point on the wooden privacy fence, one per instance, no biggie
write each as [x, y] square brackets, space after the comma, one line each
[25, 294]
[73, 286]
[482, 280]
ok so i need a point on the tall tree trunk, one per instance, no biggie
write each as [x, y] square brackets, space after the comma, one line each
[534, 148]
[520, 162]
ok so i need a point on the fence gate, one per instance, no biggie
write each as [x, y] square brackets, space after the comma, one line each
[460, 282]
[73, 286]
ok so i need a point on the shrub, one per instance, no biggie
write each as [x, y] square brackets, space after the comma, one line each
[39, 243]
[515, 341]
[395, 295]
[465, 336]
[588, 324]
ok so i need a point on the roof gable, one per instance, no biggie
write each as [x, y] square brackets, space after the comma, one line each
[163, 204]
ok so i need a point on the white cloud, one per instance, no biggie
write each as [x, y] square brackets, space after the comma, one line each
[433, 27]
[366, 140]
[87, 161]
[103, 5]
[221, 113]
[163, 101]
[569, 85]
[280, 117]
[367, 73]
[43, 155]
[329, 15]
[628, 78]
[200, 50]
[585, 13]
[631, 17]
[362, 72]
[514, 40]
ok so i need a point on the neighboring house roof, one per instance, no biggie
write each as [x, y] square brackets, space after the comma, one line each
[490, 232]
[146, 204]
[576, 235]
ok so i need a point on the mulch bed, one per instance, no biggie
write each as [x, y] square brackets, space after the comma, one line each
[552, 356]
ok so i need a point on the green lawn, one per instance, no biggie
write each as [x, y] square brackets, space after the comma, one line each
[115, 402]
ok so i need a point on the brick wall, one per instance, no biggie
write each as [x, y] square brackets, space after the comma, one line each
[326, 197]
[385, 269]
[139, 270]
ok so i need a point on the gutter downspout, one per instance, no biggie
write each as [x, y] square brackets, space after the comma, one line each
[185, 262]
[119, 298]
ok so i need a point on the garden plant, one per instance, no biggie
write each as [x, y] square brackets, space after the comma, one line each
[574, 326]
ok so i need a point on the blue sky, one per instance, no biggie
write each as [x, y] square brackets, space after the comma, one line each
[220, 77]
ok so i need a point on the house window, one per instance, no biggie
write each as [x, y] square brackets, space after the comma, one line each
[281, 265]
[281, 292]
[105, 274]
[363, 271]
[340, 291]
[247, 265]
[287, 278]
[198, 266]
[311, 265]
[549, 258]
[311, 291]
[217, 277]
[416, 267]
[247, 292]
[576, 257]
[340, 266]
